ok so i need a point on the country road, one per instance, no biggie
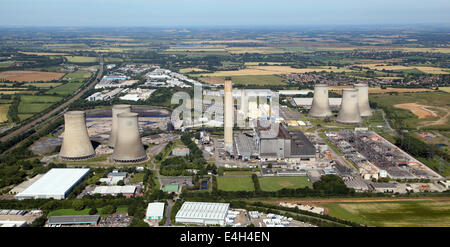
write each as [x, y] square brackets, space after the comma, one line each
[58, 110]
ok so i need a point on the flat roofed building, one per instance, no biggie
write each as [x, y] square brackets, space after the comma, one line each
[127, 190]
[205, 213]
[155, 211]
[12, 223]
[74, 220]
[56, 183]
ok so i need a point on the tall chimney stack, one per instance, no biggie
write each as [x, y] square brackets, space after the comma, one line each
[228, 118]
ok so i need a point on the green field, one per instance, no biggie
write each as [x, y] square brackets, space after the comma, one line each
[34, 104]
[70, 211]
[393, 214]
[66, 89]
[257, 80]
[137, 177]
[278, 183]
[39, 99]
[113, 59]
[80, 74]
[43, 84]
[4, 112]
[235, 184]
[81, 59]
[237, 173]
[24, 116]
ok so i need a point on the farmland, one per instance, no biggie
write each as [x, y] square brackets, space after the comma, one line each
[246, 80]
[34, 104]
[21, 76]
[235, 183]
[278, 183]
[78, 75]
[81, 59]
[425, 213]
[66, 89]
[4, 112]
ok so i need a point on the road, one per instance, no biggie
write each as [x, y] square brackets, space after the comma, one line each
[59, 110]
[168, 213]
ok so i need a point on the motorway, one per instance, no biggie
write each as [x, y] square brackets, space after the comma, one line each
[59, 110]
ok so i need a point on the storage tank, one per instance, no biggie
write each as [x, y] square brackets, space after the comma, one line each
[116, 109]
[363, 100]
[128, 146]
[349, 112]
[76, 144]
[320, 106]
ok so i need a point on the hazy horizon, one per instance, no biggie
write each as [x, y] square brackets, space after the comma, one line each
[203, 13]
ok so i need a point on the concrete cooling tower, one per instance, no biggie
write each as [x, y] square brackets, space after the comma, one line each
[76, 144]
[349, 113]
[128, 146]
[116, 109]
[363, 100]
[320, 106]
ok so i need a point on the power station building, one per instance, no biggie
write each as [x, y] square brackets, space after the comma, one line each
[285, 145]
[128, 147]
[76, 144]
[56, 183]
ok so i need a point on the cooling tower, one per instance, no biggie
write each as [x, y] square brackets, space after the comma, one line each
[363, 100]
[320, 106]
[349, 113]
[116, 109]
[76, 144]
[228, 118]
[128, 146]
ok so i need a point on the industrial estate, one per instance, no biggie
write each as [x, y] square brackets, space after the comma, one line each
[195, 127]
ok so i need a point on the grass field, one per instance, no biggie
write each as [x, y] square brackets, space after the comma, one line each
[43, 84]
[78, 75]
[394, 214]
[39, 99]
[33, 104]
[80, 59]
[66, 89]
[4, 112]
[257, 80]
[33, 108]
[70, 211]
[137, 177]
[278, 183]
[235, 184]
[237, 173]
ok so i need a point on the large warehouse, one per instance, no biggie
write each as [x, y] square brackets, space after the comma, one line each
[56, 183]
[155, 211]
[205, 213]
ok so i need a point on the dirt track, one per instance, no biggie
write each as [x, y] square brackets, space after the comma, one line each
[418, 110]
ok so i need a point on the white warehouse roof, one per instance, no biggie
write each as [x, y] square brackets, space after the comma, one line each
[56, 183]
[308, 101]
[202, 212]
[128, 189]
[155, 210]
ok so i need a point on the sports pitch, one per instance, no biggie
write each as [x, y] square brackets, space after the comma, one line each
[235, 184]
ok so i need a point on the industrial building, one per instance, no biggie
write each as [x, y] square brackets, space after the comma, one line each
[307, 102]
[127, 190]
[76, 144]
[285, 145]
[12, 223]
[349, 112]
[180, 151]
[155, 211]
[128, 147]
[74, 220]
[56, 183]
[204, 213]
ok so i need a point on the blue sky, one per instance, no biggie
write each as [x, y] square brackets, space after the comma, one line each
[101, 13]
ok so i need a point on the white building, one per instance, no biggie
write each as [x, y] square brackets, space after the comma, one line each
[205, 213]
[127, 191]
[12, 223]
[155, 211]
[56, 183]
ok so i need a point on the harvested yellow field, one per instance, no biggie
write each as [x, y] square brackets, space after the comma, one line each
[261, 50]
[21, 75]
[212, 80]
[4, 112]
[425, 69]
[188, 70]
[375, 90]
[418, 110]
[257, 63]
[45, 53]
[270, 70]
[445, 89]
[223, 41]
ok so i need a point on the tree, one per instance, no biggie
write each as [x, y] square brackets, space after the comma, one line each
[93, 211]
[78, 205]
[109, 209]
[121, 183]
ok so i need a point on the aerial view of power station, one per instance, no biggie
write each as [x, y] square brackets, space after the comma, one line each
[154, 118]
